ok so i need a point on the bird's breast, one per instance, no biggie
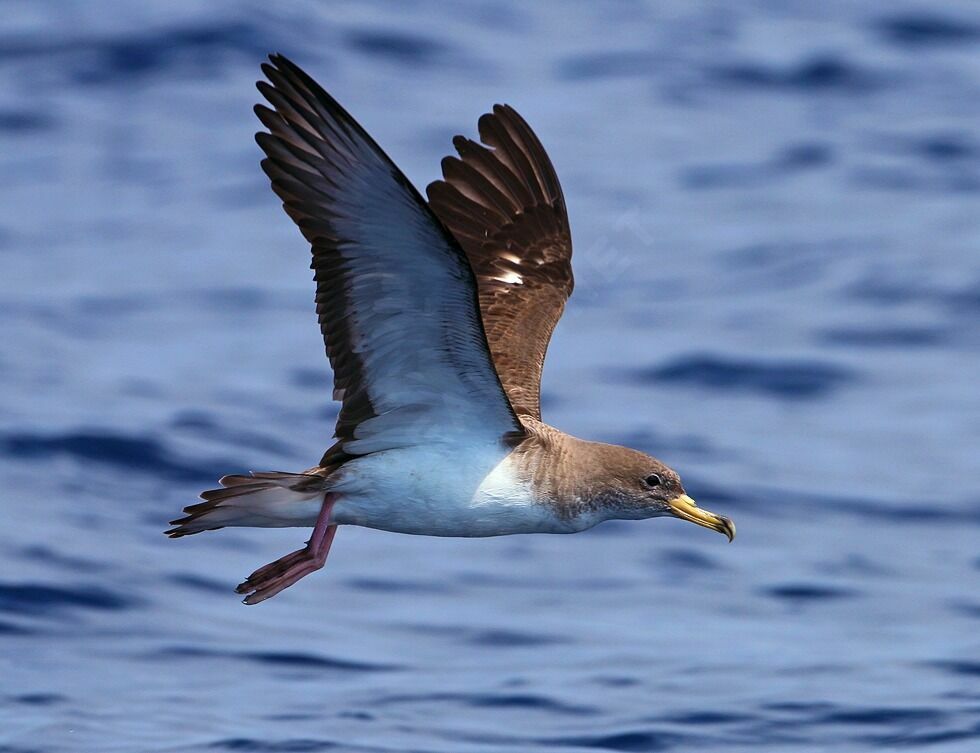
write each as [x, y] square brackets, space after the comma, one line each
[443, 491]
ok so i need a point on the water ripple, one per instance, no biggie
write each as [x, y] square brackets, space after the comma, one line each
[397, 47]
[885, 337]
[299, 745]
[964, 668]
[782, 379]
[288, 659]
[43, 599]
[132, 453]
[638, 741]
[922, 28]
[807, 592]
[826, 73]
[113, 61]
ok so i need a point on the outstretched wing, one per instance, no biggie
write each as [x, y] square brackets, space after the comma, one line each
[505, 207]
[395, 295]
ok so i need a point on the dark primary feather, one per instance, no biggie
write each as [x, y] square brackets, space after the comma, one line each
[396, 297]
[505, 206]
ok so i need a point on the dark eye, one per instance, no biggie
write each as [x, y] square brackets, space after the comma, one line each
[653, 480]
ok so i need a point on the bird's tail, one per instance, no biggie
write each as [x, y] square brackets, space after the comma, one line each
[265, 500]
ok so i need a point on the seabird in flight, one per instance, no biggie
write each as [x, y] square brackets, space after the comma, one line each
[436, 316]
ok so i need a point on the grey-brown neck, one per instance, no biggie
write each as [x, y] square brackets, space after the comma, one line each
[578, 477]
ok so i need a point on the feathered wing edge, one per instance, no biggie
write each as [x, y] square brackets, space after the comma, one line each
[366, 221]
[503, 203]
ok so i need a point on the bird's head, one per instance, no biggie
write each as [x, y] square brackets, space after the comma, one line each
[635, 485]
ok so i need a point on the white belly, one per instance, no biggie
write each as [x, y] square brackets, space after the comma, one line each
[441, 490]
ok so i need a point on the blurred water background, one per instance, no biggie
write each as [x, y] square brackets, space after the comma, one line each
[776, 209]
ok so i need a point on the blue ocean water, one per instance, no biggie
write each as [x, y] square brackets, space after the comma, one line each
[775, 210]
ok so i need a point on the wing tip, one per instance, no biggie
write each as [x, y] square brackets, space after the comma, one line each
[278, 59]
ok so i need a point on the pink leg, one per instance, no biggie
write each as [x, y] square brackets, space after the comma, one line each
[269, 580]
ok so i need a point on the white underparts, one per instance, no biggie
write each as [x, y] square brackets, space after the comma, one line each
[441, 489]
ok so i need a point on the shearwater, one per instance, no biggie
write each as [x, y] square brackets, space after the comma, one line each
[436, 317]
